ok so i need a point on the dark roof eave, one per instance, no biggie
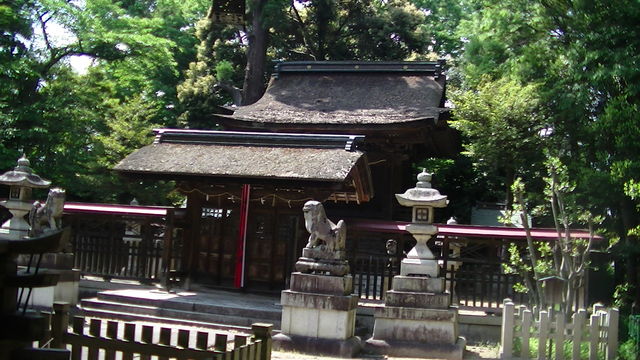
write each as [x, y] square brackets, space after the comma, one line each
[136, 174]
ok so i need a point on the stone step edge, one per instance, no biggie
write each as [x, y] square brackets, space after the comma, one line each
[122, 316]
[99, 305]
[270, 315]
[182, 306]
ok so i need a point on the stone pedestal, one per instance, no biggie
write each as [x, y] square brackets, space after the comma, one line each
[17, 227]
[417, 321]
[68, 287]
[318, 315]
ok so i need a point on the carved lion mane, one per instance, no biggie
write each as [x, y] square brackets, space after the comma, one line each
[322, 229]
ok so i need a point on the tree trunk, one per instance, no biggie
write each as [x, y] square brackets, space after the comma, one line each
[253, 86]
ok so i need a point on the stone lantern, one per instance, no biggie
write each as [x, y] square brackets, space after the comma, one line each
[21, 181]
[417, 319]
[423, 199]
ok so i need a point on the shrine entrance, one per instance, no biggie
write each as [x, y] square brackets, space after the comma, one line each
[274, 240]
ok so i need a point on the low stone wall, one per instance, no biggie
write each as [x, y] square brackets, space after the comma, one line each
[480, 328]
[476, 328]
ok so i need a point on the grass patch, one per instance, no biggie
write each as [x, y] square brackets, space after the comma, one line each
[551, 348]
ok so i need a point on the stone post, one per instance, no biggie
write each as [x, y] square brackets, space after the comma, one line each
[319, 310]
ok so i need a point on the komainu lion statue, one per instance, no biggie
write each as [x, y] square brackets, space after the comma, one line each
[322, 229]
[49, 213]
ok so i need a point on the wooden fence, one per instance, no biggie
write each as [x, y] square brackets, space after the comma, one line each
[555, 337]
[147, 249]
[482, 286]
[472, 285]
[373, 275]
[118, 340]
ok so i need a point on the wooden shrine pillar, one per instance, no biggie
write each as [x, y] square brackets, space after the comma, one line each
[241, 244]
[192, 233]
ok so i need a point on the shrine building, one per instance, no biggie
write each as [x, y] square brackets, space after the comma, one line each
[343, 133]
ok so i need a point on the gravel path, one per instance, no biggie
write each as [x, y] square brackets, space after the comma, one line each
[472, 352]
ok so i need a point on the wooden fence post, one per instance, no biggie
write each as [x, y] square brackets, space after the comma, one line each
[594, 334]
[612, 333]
[579, 320]
[506, 336]
[559, 335]
[262, 332]
[527, 317]
[543, 335]
[59, 324]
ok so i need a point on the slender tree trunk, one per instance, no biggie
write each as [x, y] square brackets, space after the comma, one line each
[253, 86]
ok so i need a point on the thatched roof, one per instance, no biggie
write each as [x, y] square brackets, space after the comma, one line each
[245, 155]
[348, 93]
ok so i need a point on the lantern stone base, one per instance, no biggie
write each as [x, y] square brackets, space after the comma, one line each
[415, 332]
[318, 316]
[311, 345]
[417, 321]
[417, 350]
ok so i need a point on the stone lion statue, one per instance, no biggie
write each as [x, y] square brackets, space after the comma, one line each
[49, 213]
[322, 229]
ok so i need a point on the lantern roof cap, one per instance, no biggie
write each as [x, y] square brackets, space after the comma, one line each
[423, 194]
[23, 175]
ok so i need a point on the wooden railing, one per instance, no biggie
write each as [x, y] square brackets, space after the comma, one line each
[471, 285]
[143, 248]
[594, 338]
[482, 286]
[373, 275]
[115, 339]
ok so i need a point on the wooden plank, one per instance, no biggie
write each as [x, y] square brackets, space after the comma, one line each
[112, 333]
[202, 340]
[147, 338]
[612, 333]
[527, 318]
[577, 325]
[141, 348]
[559, 335]
[506, 337]
[129, 336]
[183, 338]
[94, 330]
[165, 339]
[543, 335]
[220, 343]
[262, 334]
[78, 328]
[240, 340]
[258, 349]
[594, 329]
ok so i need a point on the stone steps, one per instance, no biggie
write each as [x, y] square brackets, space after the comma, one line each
[207, 314]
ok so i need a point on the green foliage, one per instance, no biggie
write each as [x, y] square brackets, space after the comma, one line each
[501, 121]
[551, 348]
[75, 127]
[457, 179]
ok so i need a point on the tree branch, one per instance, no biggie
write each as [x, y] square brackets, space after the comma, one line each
[302, 27]
[43, 27]
[235, 92]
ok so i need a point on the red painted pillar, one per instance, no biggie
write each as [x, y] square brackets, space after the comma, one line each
[238, 279]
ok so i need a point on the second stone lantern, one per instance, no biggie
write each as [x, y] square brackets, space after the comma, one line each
[417, 319]
[423, 199]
